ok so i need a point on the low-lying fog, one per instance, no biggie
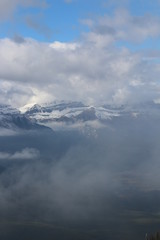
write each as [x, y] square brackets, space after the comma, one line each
[105, 182]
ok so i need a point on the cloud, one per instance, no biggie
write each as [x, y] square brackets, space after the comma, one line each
[7, 132]
[61, 46]
[88, 180]
[92, 70]
[115, 3]
[123, 26]
[36, 23]
[24, 154]
[68, 1]
[18, 39]
[11, 93]
[7, 7]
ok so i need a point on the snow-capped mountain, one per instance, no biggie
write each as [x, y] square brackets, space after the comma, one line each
[13, 119]
[70, 112]
[73, 112]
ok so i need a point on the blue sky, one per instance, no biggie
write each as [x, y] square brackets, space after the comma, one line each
[60, 20]
[95, 51]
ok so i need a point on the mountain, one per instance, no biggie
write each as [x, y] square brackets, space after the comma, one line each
[73, 112]
[77, 112]
[13, 119]
[69, 112]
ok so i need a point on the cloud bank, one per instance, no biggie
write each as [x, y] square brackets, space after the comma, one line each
[24, 154]
[95, 179]
[97, 68]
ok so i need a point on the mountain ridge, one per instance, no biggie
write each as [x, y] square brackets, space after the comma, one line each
[40, 116]
[74, 111]
[12, 119]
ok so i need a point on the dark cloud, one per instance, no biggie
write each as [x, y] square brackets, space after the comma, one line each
[7, 8]
[104, 29]
[37, 24]
[18, 39]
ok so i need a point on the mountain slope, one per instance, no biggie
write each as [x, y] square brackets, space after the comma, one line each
[71, 112]
[12, 119]
[74, 112]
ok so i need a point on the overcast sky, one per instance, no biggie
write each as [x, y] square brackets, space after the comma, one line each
[95, 51]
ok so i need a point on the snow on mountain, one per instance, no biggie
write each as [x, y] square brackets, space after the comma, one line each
[12, 119]
[77, 112]
[73, 112]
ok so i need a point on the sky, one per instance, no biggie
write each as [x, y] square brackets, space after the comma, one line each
[94, 51]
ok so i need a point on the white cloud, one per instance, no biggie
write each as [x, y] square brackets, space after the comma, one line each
[123, 26]
[64, 46]
[39, 72]
[24, 154]
[91, 70]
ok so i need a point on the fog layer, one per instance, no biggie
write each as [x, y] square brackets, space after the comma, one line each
[103, 181]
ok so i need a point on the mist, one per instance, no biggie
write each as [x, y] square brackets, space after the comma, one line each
[103, 181]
